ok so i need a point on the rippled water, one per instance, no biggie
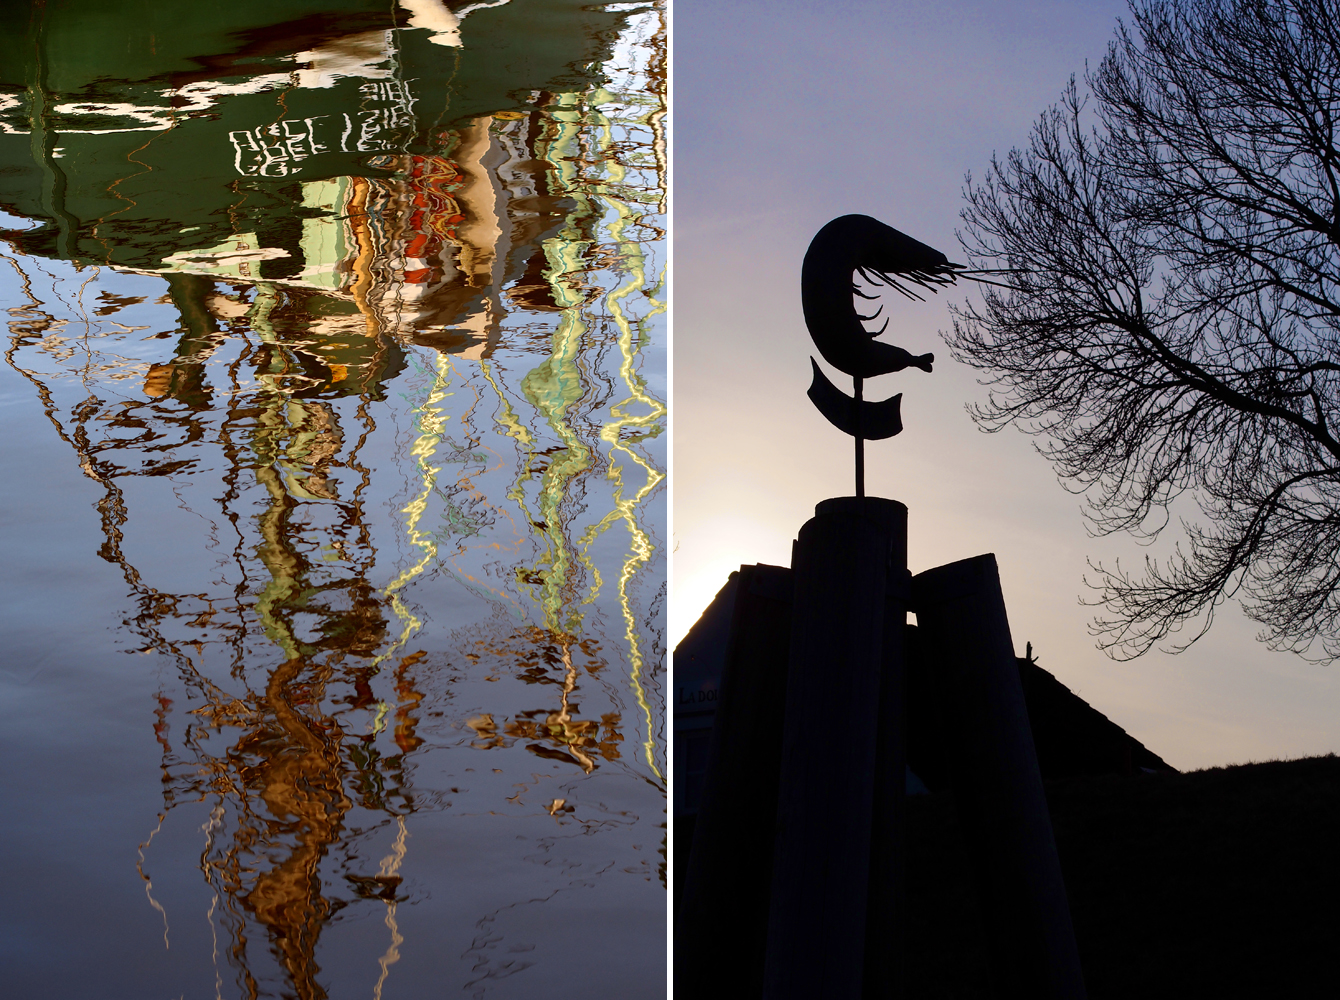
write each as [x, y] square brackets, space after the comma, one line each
[333, 499]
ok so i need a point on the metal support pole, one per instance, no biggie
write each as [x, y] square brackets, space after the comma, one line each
[857, 386]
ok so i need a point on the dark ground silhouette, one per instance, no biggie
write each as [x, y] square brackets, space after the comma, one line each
[1217, 883]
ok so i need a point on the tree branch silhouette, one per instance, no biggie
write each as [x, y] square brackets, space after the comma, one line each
[1171, 324]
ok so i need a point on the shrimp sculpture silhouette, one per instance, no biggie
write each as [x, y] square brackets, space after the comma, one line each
[881, 255]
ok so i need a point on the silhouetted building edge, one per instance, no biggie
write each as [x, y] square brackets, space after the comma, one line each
[1073, 739]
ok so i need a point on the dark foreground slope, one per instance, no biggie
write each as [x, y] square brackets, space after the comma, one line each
[1217, 883]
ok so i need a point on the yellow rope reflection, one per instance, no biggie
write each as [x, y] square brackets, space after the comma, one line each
[390, 867]
[148, 885]
[431, 422]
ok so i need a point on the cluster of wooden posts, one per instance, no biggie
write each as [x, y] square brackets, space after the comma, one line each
[794, 881]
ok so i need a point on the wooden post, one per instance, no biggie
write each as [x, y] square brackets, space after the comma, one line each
[997, 786]
[843, 562]
[886, 907]
[722, 922]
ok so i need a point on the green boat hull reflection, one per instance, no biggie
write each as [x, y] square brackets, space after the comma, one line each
[349, 165]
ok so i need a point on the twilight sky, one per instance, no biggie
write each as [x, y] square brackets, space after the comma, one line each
[788, 115]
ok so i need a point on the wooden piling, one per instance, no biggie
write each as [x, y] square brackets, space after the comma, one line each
[843, 562]
[721, 924]
[997, 786]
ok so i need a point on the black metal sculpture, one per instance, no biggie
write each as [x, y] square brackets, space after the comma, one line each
[880, 254]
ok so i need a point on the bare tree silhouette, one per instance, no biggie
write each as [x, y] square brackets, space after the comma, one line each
[1172, 322]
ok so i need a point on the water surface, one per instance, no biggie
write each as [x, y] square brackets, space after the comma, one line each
[332, 518]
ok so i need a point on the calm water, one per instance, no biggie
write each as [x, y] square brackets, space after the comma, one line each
[333, 499]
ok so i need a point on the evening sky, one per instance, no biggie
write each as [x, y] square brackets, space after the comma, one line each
[788, 115]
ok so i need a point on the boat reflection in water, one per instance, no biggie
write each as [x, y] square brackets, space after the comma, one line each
[352, 325]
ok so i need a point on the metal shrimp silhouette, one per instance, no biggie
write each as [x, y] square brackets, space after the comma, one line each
[880, 254]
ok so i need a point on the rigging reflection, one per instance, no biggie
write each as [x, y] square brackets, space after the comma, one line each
[320, 296]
